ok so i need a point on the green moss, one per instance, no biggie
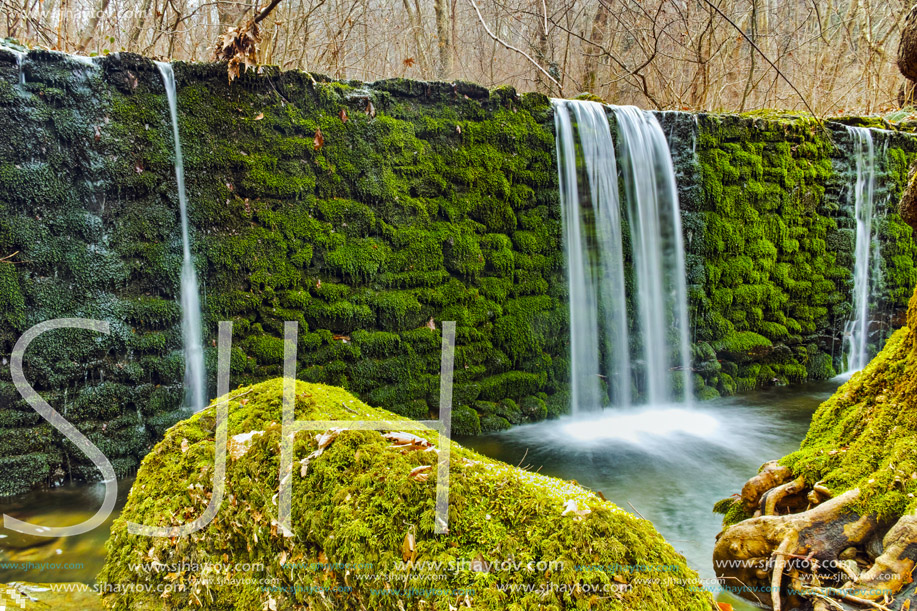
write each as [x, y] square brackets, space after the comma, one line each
[863, 436]
[357, 504]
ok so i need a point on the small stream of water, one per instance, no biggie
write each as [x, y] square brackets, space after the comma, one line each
[195, 382]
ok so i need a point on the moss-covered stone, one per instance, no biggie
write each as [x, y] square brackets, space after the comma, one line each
[352, 512]
[769, 230]
[425, 202]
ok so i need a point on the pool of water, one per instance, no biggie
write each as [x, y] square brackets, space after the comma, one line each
[61, 559]
[666, 463]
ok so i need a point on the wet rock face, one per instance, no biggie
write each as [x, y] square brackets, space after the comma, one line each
[907, 207]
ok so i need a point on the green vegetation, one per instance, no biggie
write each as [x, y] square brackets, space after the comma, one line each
[863, 436]
[419, 203]
[358, 504]
[770, 243]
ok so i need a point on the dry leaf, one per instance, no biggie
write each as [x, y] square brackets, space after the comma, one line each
[571, 507]
[408, 548]
[260, 116]
[421, 473]
[407, 442]
[239, 444]
[343, 115]
[479, 565]
[184, 445]
[324, 440]
[319, 140]
[728, 607]
[370, 109]
[431, 324]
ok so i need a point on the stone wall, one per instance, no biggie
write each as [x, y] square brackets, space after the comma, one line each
[418, 201]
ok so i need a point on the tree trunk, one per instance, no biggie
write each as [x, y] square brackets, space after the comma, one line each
[443, 38]
[907, 53]
[591, 52]
[89, 31]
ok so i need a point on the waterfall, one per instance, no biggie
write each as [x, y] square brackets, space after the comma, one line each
[195, 384]
[658, 249]
[856, 331]
[600, 341]
[595, 263]
[20, 60]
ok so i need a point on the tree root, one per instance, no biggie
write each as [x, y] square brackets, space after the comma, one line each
[806, 550]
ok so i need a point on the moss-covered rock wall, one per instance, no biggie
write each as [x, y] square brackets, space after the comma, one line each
[370, 213]
[770, 231]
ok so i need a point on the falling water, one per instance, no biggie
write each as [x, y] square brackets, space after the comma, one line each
[654, 217]
[856, 331]
[595, 258]
[595, 262]
[190, 300]
[20, 59]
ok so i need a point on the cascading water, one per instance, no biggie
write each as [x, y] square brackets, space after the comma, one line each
[654, 217]
[593, 241]
[595, 262]
[196, 393]
[856, 331]
[20, 59]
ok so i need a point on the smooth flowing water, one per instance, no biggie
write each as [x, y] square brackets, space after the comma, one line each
[195, 383]
[654, 217]
[600, 337]
[856, 331]
[669, 463]
[595, 261]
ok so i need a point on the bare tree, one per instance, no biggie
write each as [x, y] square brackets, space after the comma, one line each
[839, 54]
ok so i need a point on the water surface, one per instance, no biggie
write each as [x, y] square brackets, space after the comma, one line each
[669, 464]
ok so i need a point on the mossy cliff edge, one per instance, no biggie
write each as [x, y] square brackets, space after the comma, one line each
[362, 522]
[369, 213]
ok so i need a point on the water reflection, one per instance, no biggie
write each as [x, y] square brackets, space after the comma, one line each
[56, 559]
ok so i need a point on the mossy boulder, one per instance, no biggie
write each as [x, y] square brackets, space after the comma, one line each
[359, 519]
[865, 435]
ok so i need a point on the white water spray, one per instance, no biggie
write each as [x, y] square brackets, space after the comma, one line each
[190, 300]
[856, 331]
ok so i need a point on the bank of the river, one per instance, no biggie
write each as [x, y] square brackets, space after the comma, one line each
[637, 458]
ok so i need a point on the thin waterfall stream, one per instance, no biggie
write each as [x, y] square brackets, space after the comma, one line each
[856, 331]
[195, 383]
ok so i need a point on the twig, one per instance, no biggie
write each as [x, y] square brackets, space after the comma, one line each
[4, 259]
[847, 597]
[266, 11]
[512, 48]
[635, 510]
